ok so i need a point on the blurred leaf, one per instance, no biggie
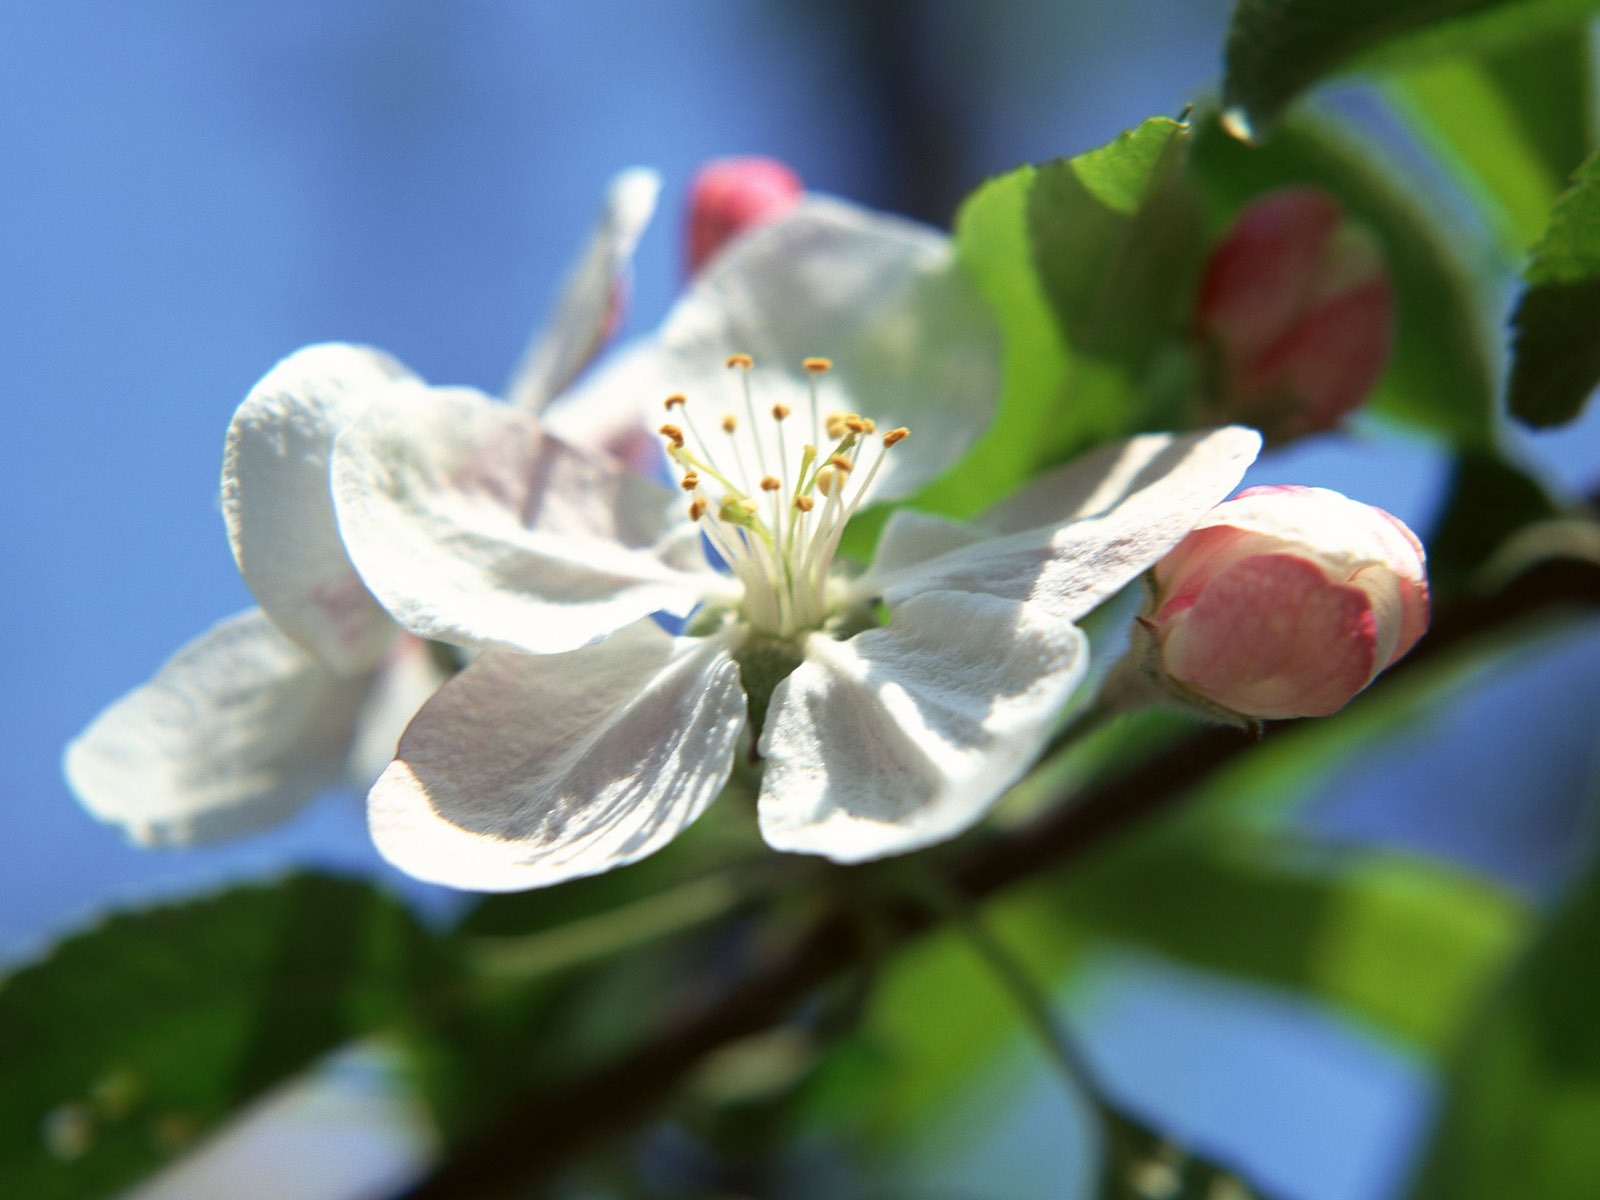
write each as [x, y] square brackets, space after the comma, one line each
[1515, 122]
[129, 1041]
[1089, 264]
[1402, 944]
[1278, 48]
[1522, 1101]
[1439, 379]
[566, 979]
[936, 1021]
[1557, 353]
[1486, 502]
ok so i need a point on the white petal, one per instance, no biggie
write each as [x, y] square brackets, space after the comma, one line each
[587, 308]
[235, 732]
[911, 538]
[615, 409]
[525, 770]
[276, 501]
[906, 735]
[1082, 532]
[1154, 466]
[410, 673]
[474, 527]
[912, 342]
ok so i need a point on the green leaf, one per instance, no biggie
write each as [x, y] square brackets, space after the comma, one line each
[130, 1040]
[1116, 244]
[1515, 123]
[1404, 945]
[1487, 501]
[1556, 356]
[1278, 48]
[1439, 379]
[1089, 264]
[1523, 1098]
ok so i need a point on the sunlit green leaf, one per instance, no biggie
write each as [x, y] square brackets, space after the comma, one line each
[127, 1042]
[1557, 352]
[1089, 264]
[1279, 48]
[1440, 378]
[1515, 123]
[1522, 1101]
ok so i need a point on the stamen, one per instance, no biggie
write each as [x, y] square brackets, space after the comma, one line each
[779, 549]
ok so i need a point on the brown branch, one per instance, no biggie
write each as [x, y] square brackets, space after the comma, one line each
[541, 1131]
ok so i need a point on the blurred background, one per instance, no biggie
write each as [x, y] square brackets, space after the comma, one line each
[189, 191]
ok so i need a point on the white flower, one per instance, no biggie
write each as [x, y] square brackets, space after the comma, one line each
[583, 736]
[268, 708]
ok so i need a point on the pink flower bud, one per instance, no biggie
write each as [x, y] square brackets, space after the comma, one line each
[730, 195]
[1284, 602]
[1295, 315]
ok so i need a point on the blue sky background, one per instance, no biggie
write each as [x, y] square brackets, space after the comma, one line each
[189, 191]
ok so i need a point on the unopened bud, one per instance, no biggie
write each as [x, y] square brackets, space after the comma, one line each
[731, 195]
[1283, 602]
[1295, 315]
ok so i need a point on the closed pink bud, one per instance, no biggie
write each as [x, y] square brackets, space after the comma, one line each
[1284, 602]
[731, 195]
[1295, 315]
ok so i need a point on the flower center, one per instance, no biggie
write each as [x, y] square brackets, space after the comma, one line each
[770, 501]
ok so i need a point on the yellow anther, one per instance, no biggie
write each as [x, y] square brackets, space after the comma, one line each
[690, 482]
[835, 425]
[780, 411]
[736, 511]
[896, 435]
[840, 462]
[676, 400]
[818, 366]
[730, 423]
[673, 434]
[770, 483]
[697, 508]
[804, 503]
[741, 360]
[856, 424]
[825, 480]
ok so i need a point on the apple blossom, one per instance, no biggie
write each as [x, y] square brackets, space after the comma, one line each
[259, 714]
[583, 736]
[1295, 315]
[1283, 602]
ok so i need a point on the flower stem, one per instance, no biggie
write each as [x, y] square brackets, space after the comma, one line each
[1117, 1144]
